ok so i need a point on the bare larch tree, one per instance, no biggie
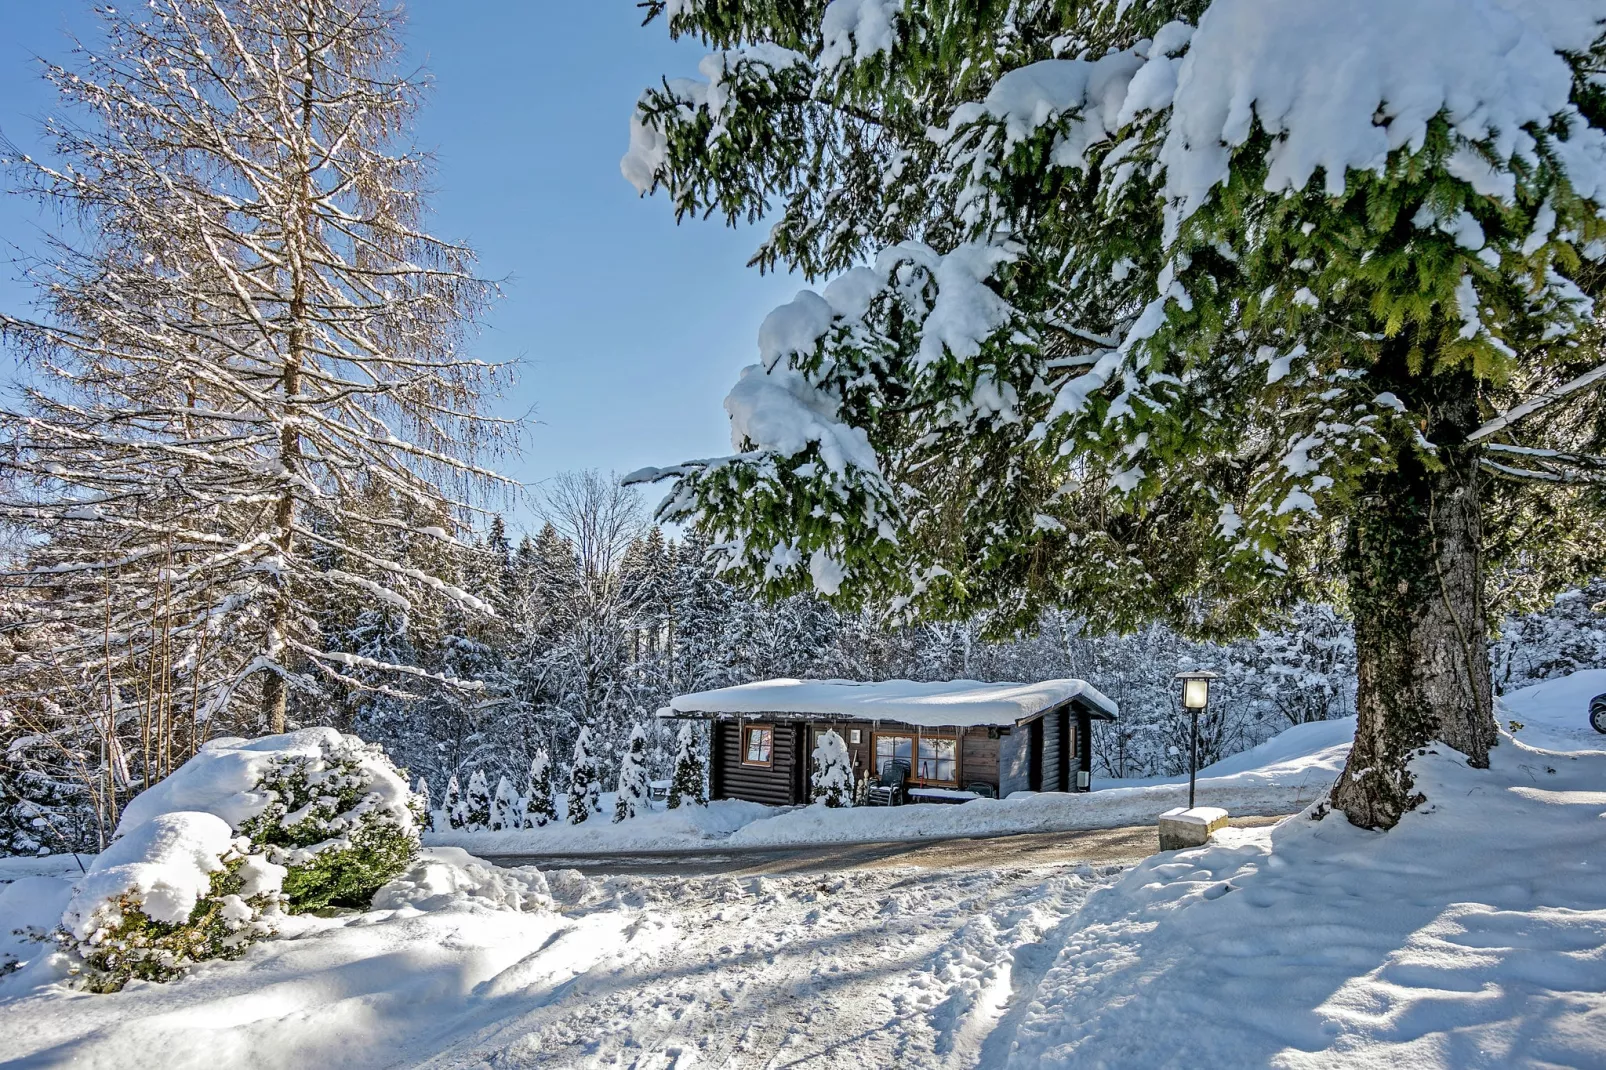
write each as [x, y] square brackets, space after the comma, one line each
[246, 370]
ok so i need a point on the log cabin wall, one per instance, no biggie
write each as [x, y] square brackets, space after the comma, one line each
[1053, 765]
[783, 783]
[1042, 755]
[1084, 746]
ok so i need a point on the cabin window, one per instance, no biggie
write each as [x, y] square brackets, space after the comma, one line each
[853, 735]
[939, 759]
[758, 745]
[891, 748]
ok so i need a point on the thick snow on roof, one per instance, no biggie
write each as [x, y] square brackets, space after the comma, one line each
[947, 703]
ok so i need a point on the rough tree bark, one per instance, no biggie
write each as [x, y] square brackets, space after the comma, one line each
[1414, 561]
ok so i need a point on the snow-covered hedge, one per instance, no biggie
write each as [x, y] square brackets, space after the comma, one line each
[328, 807]
[177, 889]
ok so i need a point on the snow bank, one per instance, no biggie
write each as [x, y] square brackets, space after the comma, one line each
[1285, 774]
[1555, 713]
[449, 878]
[222, 778]
[1468, 936]
[30, 910]
[685, 827]
[948, 703]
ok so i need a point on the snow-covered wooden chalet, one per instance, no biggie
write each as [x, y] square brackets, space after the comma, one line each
[958, 737]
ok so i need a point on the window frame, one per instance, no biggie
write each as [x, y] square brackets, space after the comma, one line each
[877, 736]
[936, 738]
[915, 736]
[747, 729]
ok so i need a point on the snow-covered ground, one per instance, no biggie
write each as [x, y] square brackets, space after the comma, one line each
[1472, 935]
[1280, 776]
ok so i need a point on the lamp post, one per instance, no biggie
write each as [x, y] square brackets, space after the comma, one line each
[1195, 697]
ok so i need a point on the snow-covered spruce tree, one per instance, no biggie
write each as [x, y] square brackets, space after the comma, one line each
[426, 805]
[455, 805]
[539, 808]
[477, 803]
[686, 783]
[1153, 309]
[585, 780]
[340, 819]
[242, 329]
[831, 771]
[505, 807]
[631, 800]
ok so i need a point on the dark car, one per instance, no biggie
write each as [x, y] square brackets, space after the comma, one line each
[1597, 713]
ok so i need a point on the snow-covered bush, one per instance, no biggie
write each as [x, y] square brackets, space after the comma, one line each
[538, 806]
[831, 773]
[327, 806]
[479, 803]
[456, 807]
[631, 799]
[585, 780]
[504, 807]
[686, 785]
[176, 890]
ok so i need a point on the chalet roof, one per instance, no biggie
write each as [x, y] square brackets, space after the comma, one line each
[946, 703]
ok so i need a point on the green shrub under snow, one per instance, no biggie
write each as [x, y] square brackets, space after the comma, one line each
[336, 832]
[178, 890]
[246, 828]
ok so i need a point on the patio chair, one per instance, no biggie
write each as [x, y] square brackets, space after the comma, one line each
[888, 788]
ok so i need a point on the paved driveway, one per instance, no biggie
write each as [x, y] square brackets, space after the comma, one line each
[1036, 848]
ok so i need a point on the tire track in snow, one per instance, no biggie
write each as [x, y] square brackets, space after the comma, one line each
[877, 968]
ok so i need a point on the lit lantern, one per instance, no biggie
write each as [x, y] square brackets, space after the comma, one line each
[1195, 697]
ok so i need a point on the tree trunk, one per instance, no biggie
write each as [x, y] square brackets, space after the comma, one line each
[298, 241]
[1414, 561]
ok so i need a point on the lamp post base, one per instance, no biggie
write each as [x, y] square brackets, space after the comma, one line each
[1186, 827]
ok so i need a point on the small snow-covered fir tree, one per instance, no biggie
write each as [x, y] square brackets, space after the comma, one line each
[425, 805]
[479, 802]
[686, 785]
[505, 807]
[456, 805]
[585, 776]
[538, 805]
[632, 796]
[831, 774]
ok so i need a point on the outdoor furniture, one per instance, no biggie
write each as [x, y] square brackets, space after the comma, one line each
[983, 790]
[941, 795]
[888, 788]
[658, 790]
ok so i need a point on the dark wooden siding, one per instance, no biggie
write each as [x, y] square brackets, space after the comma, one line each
[1034, 755]
[859, 752]
[780, 785]
[978, 758]
[1084, 746]
[1052, 753]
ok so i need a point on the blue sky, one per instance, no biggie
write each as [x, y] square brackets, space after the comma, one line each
[631, 328]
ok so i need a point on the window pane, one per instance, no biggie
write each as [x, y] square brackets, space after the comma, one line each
[759, 742]
[893, 748]
[938, 759]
